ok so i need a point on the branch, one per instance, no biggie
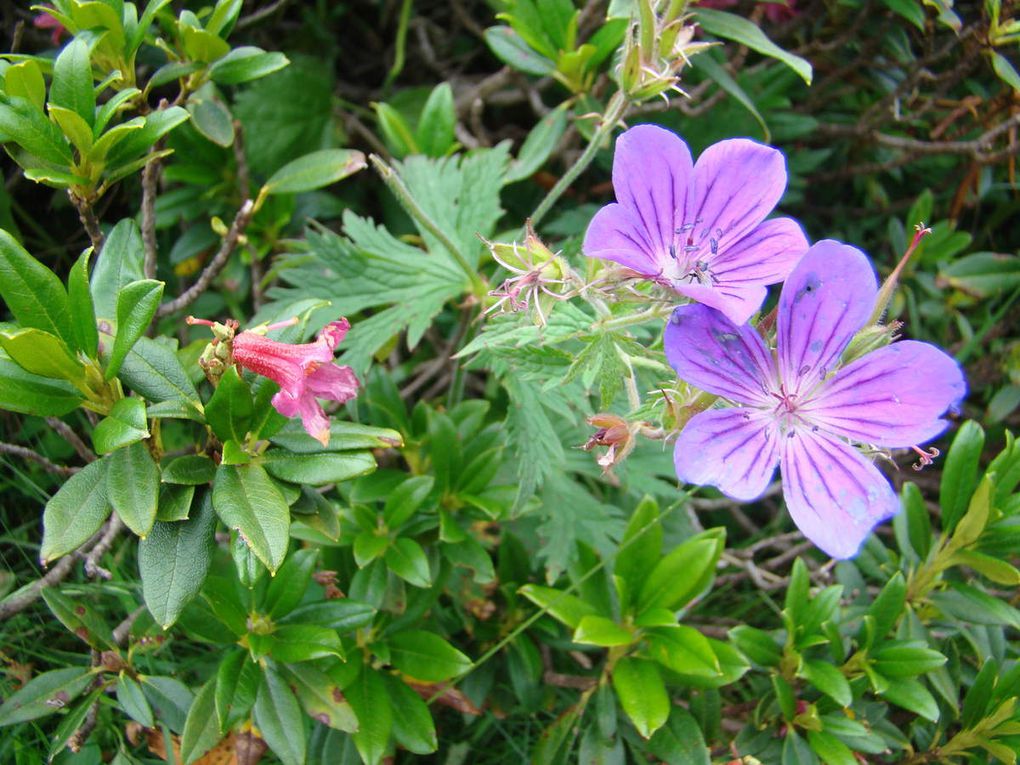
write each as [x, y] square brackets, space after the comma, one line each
[109, 534]
[88, 220]
[211, 271]
[21, 600]
[65, 431]
[150, 179]
[28, 454]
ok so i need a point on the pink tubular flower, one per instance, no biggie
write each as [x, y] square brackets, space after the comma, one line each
[304, 373]
[45, 21]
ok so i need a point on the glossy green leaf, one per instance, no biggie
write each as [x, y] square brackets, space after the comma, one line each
[124, 425]
[371, 703]
[33, 293]
[288, 587]
[318, 469]
[132, 485]
[136, 306]
[413, 726]
[80, 618]
[201, 729]
[729, 26]
[189, 470]
[153, 370]
[563, 606]
[960, 473]
[23, 123]
[426, 656]
[173, 561]
[315, 171]
[828, 679]
[405, 499]
[72, 80]
[132, 700]
[280, 720]
[229, 410]
[170, 698]
[641, 545]
[680, 741]
[642, 694]
[24, 392]
[598, 630]
[343, 436]
[119, 265]
[246, 499]
[81, 309]
[44, 694]
[41, 353]
[76, 512]
[911, 695]
[406, 558]
[294, 643]
[321, 697]
[681, 574]
[340, 615]
[246, 63]
[510, 48]
[438, 118]
[237, 682]
[25, 80]
[538, 146]
[682, 649]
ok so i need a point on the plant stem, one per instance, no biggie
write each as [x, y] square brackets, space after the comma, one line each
[88, 220]
[615, 112]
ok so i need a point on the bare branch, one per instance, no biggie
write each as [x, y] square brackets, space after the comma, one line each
[67, 433]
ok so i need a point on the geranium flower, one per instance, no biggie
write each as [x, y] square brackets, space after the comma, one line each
[797, 411]
[698, 229]
[304, 373]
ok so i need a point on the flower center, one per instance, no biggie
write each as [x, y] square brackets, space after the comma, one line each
[692, 253]
[785, 410]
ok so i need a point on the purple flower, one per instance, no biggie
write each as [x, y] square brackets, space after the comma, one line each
[698, 229]
[793, 411]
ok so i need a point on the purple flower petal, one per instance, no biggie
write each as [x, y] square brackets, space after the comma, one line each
[652, 171]
[826, 299]
[765, 256]
[710, 352]
[736, 184]
[835, 495]
[615, 234]
[892, 397]
[738, 302]
[734, 449]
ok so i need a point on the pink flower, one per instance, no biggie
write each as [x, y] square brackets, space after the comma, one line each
[45, 21]
[304, 372]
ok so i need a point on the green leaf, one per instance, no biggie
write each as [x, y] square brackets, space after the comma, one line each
[24, 392]
[318, 469]
[405, 499]
[211, 117]
[830, 749]
[680, 741]
[510, 48]
[132, 700]
[756, 644]
[1004, 70]
[288, 587]
[641, 545]
[119, 265]
[538, 146]
[81, 310]
[31, 291]
[368, 546]
[888, 605]
[80, 619]
[407, 559]
[201, 729]
[732, 27]
[189, 470]
[75, 512]
[796, 750]
[171, 699]
[173, 561]
[396, 131]
[25, 80]
[246, 499]
[911, 695]
[41, 353]
[44, 694]
[371, 703]
[22, 123]
[279, 718]
[563, 606]
[682, 649]
[438, 118]
[413, 728]
[343, 436]
[972, 524]
[960, 473]
[72, 80]
[340, 615]
[174, 502]
[682, 574]
[828, 679]
[136, 305]
[237, 682]
[132, 484]
[642, 694]
[315, 171]
[322, 698]
[229, 411]
[294, 643]
[153, 370]
[244, 64]
[715, 71]
[598, 630]
[74, 127]
[426, 656]
[918, 520]
[996, 569]
[124, 425]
